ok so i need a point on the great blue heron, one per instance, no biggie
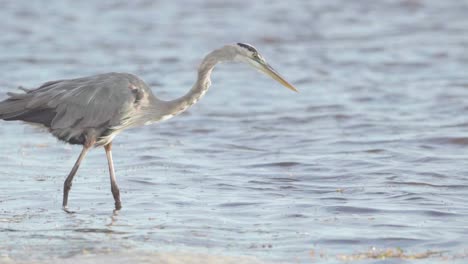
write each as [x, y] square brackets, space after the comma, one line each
[91, 111]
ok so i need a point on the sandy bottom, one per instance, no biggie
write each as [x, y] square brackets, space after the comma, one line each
[132, 257]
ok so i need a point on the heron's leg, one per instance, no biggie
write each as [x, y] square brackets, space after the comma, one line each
[68, 182]
[114, 187]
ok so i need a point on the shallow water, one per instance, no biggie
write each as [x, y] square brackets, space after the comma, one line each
[371, 153]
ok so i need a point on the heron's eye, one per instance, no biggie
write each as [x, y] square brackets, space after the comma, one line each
[256, 56]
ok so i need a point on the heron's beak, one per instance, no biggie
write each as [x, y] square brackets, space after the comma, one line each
[267, 69]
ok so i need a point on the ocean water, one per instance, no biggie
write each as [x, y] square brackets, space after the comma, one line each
[372, 154]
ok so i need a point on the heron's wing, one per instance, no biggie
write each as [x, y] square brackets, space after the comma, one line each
[96, 102]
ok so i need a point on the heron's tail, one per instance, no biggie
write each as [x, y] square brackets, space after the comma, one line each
[16, 108]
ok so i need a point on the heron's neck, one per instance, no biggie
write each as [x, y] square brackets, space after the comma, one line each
[202, 84]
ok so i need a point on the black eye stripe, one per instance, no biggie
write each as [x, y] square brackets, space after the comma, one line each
[248, 47]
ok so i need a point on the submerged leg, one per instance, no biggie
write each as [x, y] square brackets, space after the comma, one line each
[114, 187]
[68, 182]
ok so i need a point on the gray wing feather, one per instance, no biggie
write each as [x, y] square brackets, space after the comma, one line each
[73, 106]
[91, 105]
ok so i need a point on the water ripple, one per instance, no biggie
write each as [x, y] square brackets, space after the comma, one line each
[372, 152]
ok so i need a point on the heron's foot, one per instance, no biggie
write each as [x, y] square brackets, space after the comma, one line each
[65, 208]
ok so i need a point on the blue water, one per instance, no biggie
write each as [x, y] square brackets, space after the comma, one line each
[371, 153]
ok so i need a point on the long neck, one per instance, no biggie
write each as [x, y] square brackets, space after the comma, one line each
[201, 85]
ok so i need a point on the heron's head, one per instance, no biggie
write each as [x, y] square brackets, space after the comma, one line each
[247, 53]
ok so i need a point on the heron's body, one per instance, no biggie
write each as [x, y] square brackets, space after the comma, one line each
[91, 111]
[79, 110]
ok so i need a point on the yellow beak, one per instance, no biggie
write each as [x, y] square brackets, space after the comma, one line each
[267, 69]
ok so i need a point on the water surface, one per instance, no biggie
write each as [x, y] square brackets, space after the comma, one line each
[371, 153]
